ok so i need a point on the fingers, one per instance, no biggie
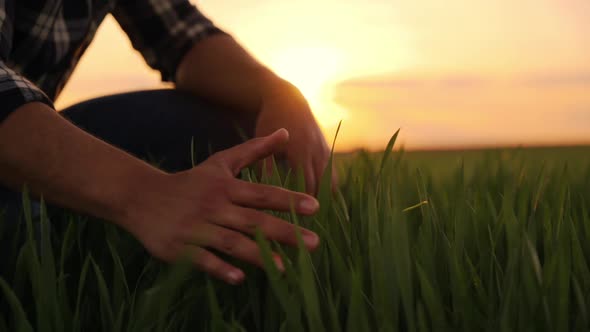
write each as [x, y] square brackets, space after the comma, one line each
[273, 228]
[226, 237]
[242, 155]
[213, 265]
[231, 243]
[260, 196]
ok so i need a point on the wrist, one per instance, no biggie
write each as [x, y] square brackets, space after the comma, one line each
[274, 87]
[136, 190]
[283, 90]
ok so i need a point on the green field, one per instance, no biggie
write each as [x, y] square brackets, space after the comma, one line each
[492, 240]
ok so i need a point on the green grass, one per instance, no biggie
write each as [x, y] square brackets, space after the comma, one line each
[413, 241]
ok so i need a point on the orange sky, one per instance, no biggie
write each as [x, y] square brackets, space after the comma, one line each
[449, 73]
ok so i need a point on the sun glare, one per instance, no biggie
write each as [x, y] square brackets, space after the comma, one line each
[313, 70]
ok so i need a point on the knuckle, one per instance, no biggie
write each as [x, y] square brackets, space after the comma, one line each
[229, 241]
[261, 196]
[218, 187]
[219, 159]
[206, 210]
[208, 206]
[274, 228]
[291, 198]
[213, 198]
[265, 195]
[254, 142]
[286, 234]
[249, 223]
[208, 262]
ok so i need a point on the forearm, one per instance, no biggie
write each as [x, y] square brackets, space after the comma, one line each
[220, 70]
[69, 167]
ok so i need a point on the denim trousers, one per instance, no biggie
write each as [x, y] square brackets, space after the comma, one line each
[170, 128]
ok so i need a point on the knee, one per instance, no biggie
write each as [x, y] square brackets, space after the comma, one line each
[217, 119]
[199, 127]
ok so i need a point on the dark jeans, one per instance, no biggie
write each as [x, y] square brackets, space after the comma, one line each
[157, 126]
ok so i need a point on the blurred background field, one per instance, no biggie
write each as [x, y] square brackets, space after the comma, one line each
[442, 163]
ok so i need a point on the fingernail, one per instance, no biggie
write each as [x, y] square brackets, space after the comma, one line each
[279, 263]
[282, 129]
[235, 276]
[309, 205]
[311, 239]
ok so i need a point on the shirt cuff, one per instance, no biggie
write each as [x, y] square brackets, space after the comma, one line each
[13, 98]
[184, 45]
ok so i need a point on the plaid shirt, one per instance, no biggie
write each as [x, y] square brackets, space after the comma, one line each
[41, 41]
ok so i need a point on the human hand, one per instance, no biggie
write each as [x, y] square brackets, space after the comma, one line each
[307, 150]
[206, 208]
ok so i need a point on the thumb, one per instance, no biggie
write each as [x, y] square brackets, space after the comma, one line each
[247, 153]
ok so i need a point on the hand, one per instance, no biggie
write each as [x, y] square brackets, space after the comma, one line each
[285, 107]
[207, 208]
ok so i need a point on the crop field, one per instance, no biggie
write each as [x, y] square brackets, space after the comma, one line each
[487, 240]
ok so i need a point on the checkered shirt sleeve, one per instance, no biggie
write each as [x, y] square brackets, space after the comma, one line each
[163, 30]
[15, 89]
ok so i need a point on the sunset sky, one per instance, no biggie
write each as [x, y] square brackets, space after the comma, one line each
[450, 73]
